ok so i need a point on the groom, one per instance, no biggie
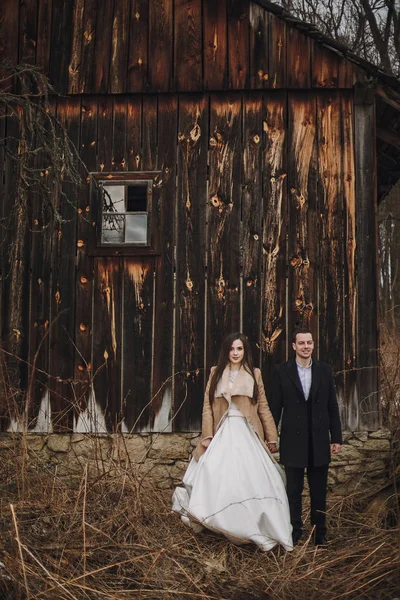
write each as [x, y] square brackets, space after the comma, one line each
[303, 389]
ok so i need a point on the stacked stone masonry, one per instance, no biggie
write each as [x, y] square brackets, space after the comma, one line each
[364, 462]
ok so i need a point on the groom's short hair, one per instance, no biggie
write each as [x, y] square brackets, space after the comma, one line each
[300, 330]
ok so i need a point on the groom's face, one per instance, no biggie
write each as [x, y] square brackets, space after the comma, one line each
[304, 345]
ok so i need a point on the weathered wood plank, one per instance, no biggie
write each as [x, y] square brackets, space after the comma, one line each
[190, 261]
[303, 213]
[44, 35]
[273, 341]
[259, 47]
[324, 67]
[101, 72]
[4, 381]
[105, 134]
[15, 332]
[164, 225]
[138, 281]
[75, 64]
[188, 45]
[350, 406]
[86, 214]
[223, 266]
[119, 161]
[330, 197]
[88, 46]
[252, 216]
[367, 334]
[277, 52]
[238, 44]
[134, 133]
[28, 31]
[119, 46]
[215, 46]
[298, 59]
[38, 394]
[149, 143]
[107, 337]
[138, 55]
[9, 19]
[60, 45]
[62, 332]
[347, 73]
[161, 44]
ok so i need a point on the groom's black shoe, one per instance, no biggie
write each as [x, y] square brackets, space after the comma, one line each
[320, 541]
[296, 536]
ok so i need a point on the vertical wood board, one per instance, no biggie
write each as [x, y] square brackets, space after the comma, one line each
[274, 308]
[190, 262]
[223, 264]
[188, 45]
[215, 46]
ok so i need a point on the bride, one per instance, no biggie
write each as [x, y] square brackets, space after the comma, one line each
[233, 485]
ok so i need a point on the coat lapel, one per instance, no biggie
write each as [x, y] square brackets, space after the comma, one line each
[294, 375]
[315, 379]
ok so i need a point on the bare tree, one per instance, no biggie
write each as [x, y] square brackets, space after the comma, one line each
[370, 28]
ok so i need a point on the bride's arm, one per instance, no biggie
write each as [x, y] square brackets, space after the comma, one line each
[207, 424]
[267, 420]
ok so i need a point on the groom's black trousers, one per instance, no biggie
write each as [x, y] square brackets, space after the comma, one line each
[317, 478]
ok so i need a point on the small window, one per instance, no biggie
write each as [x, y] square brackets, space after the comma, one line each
[126, 210]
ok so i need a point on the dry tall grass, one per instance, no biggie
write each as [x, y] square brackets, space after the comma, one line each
[114, 537]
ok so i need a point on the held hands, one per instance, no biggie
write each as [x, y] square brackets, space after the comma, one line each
[206, 442]
[336, 448]
[272, 447]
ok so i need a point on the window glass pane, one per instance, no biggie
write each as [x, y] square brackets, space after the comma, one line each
[114, 198]
[113, 229]
[137, 198]
[136, 229]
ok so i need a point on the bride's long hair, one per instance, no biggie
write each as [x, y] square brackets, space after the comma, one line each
[223, 361]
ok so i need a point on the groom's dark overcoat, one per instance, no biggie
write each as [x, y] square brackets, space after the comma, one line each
[298, 430]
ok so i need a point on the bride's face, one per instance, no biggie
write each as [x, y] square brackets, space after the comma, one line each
[236, 352]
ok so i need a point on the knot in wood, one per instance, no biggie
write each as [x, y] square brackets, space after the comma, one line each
[80, 243]
[188, 204]
[137, 16]
[57, 296]
[36, 222]
[256, 139]
[82, 327]
[181, 137]
[195, 133]
[215, 201]
[213, 142]
[249, 282]
[189, 284]
[83, 279]
[255, 237]
[295, 261]
[105, 355]
[139, 62]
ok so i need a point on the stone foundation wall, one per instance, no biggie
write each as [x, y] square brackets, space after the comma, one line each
[363, 463]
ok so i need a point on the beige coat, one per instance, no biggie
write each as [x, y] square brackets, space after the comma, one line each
[258, 415]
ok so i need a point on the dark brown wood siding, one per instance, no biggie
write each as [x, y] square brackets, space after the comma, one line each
[262, 220]
[93, 46]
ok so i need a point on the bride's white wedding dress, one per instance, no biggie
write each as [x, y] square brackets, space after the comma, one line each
[236, 489]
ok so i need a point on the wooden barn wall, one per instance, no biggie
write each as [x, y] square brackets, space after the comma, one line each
[264, 221]
[142, 46]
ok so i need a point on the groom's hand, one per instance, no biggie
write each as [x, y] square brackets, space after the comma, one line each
[336, 448]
